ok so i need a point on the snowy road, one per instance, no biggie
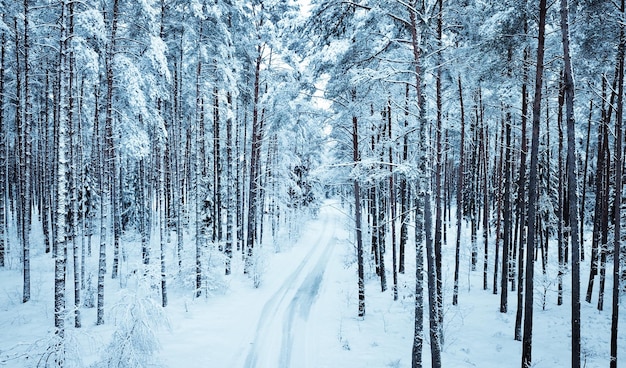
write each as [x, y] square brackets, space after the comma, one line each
[283, 337]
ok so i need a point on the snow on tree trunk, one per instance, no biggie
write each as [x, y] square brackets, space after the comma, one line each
[3, 151]
[356, 157]
[617, 242]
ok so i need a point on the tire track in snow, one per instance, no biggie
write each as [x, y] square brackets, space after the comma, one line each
[302, 302]
[279, 309]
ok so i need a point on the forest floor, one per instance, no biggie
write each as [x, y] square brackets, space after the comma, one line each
[304, 314]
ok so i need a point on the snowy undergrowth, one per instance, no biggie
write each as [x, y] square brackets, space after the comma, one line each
[215, 330]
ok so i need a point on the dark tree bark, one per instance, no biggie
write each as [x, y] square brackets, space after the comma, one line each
[217, 171]
[572, 183]
[459, 200]
[418, 333]
[532, 193]
[561, 200]
[356, 157]
[392, 202]
[25, 160]
[255, 166]
[507, 218]
[499, 177]
[617, 243]
[107, 162]
[521, 197]
[438, 168]
[404, 188]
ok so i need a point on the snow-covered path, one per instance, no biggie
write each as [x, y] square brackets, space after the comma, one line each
[283, 323]
[281, 338]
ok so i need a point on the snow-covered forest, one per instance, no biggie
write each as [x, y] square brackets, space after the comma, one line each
[291, 183]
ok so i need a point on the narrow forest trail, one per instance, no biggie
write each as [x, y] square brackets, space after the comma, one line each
[281, 338]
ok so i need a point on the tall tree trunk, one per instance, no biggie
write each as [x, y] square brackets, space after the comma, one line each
[418, 332]
[617, 242]
[560, 200]
[255, 174]
[74, 163]
[499, 177]
[459, 200]
[439, 169]
[392, 202]
[356, 157]
[229, 191]
[507, 218]
[162, 221]
[485, 164]
[584, 184]
[25, 161]
[62, 202]
[532, 193]
[425, 196]
[572, 183]
[3, 151]
[404, 188]
[217, 171]
[522, 194]
[198, 175]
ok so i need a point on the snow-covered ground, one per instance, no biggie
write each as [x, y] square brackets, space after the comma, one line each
[304, 314]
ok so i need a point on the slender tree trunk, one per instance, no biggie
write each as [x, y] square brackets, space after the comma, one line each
[3, 151]
[217, 172]
[438, 170]
[162, 222]
[572, 183]
[229, 190]
[561, 201]
[198, 171]
[532, 194]
[418, 333]
[507, 218]
[459, 200]
[617, 242]
[392, 200]
[584, 184]
[255, 175]
[25, 161]
[60, 256]
[484, 159]
[404, 189]
[499, 175]
[521, 196]
[356, 156]
[110, 141]
[74, 161]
